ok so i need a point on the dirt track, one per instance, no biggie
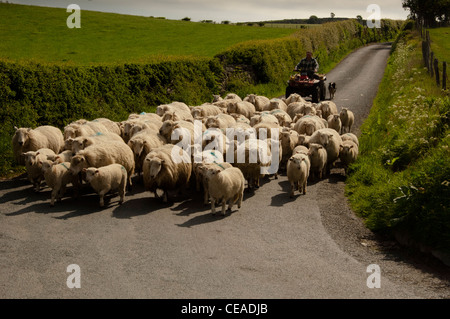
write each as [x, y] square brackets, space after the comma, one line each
[311, 246]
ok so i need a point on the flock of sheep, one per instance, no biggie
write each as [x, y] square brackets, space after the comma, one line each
[224, 146]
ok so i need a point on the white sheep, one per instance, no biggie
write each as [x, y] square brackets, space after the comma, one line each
[81, 142]
[318, 159]
[242, 107]
[184, 131]
[64, 156]
[283, 117]
[226, 186]
[167, 168]
[298, 172]
[28, 139]
[57, 176]
[331, 140]
[103, 154]
[327, 108]
[205, 110]
[277, 104]
[300, 149]
[347, 118]
[351, 137]
[265, 116]
[260, 102]
[295, 97]
[221, 121]
[348, 153]
[107, 178]
[308, 124]
[289, 139]
[33, 165]
[334, 122]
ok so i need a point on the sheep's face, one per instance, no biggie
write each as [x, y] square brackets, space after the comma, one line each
[91, 173]
[46, 165]
[251, 98]
[231, 108]
[68, 144]
[22, 136]
[78, 144]
[209, 173]
[296, 161]
[211, 122]
[197, 113]
[309, 129]
[29, 157]
[137, 146]
[314, 150]
[69, 132]
[77, 163]
[166, 128]
[156, 166]
[325, 139]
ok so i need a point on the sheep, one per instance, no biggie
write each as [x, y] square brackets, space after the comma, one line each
[239, 118]
[260, 102]
[179, 107]
[33, 165]
[232, 96]
[308, 124]
[201, 170]
[334, 122]
[266, 128]
[282, 116]
[295, 97]
[28, 139]
[141, 126]
[214, 139]
[227, 186]
[111, 126]
[216, 98]
[81, 142]
[89, 128]
[221, 121]
[318, 159]
[266, 117]
[177, 115]
[295, 108]
[277, 104]
[131, 126]
[166, 168]
[298, 172]
[327, 108]
[57, 176]
[289, 139]
[300, 149]
[351, 137]
[347, 119]
[243, 107]
[107, 178]
[103, 154]
[64, 156]
[184, 129]
[348, 153]
[143, 143]
[331, 140]
[205, 110]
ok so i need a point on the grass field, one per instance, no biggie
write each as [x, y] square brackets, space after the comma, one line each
[440, 43]
[43, 36]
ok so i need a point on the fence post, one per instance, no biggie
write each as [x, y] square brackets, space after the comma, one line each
[444, 75]
[436, 70]
[431, 63]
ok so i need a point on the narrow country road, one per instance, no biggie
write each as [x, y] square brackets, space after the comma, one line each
[311, 246]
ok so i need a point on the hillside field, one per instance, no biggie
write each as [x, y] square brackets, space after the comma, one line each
[40, 34]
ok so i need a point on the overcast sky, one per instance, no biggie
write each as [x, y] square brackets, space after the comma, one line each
[234, 10]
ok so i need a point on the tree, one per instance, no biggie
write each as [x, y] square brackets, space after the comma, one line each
[332, 15]
[427, 12]
[313, 20]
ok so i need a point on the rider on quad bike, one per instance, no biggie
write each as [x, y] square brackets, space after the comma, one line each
[308, 65]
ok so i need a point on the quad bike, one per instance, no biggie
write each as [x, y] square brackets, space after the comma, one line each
[304, 85]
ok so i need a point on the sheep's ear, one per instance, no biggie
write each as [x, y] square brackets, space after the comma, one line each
[97, 171]
[84, 170]
[16, 128]
[147, 159]
[351, 146]
[29, 129]
[291, 159]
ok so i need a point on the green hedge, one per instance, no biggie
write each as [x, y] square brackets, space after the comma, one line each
[33, 94]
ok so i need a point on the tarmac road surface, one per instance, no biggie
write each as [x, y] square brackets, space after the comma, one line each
[311, 246]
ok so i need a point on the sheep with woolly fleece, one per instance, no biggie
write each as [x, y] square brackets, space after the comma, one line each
[334, 122]
[263, 117]
[327, 108]
[226, 186]
[348, 153]
[300, 149]
[64, 156]
[111, 126]
[283, 117]
[33, 165]
[143, 143]
[182, 131]
[242, 107]
[260, 102]
[295, 108]
[174, 106]
[103, 154]
[81, 142]
[90, 128]
[347, 118]
[277, 104]
[239, 118]
[318, 159]
[298, 167]
[145, 116]
[205, 110]
[214, 139]
[294, 97]
[308, 124]
[167, 168]
[303, 139]
[232, 96]
[177, 116]
[216, 98]
[144, 126]
[351, 137]
[28, 139]
[331, 140]
[57, 176]
[129, 127]
[221, 121]
[107, 178]
[289, 139]
[201, 169]
[264, 130]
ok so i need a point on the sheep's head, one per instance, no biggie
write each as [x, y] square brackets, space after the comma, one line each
[91, 172]
[68, 144]
[22, 135]
[137, 146]
[46, 165]
[77, 163]
[29, 157]
[156, 165]
[80, 143]
[167, 128]
[297, 160]
[314, 150]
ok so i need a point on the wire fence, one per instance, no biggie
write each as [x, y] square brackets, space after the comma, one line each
[431, 61]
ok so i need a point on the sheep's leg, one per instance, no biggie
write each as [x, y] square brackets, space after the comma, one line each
[304, 188]
[122, 194]
[241, 195]
[54, 194]
[206, 196]
[224, 206]
[102, 196]
[292, 189]
[164, 196]
[213, 206]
